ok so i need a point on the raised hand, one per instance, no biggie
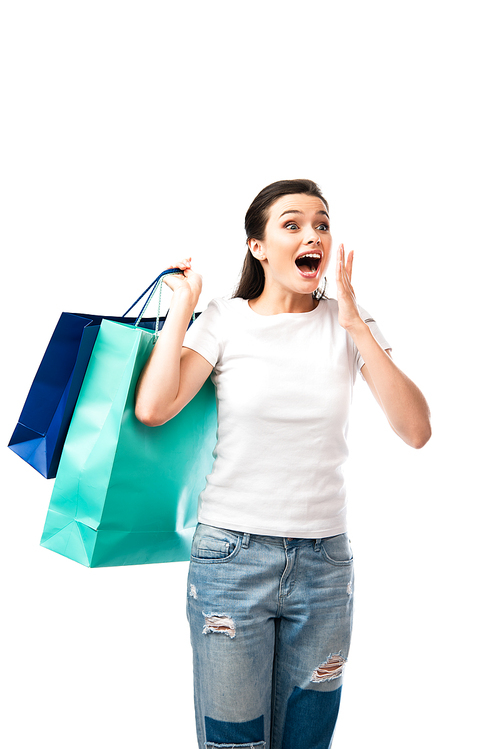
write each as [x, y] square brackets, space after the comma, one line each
[348, 309]
[187, 283]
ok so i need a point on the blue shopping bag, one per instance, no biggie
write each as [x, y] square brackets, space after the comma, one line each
[39, 435]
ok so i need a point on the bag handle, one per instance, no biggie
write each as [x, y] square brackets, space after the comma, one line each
[154, 283]
[157, 283]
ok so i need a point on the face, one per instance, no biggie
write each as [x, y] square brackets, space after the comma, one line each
[296, 248]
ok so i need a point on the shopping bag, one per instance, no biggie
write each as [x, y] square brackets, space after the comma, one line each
[126, 493]
[41, 430]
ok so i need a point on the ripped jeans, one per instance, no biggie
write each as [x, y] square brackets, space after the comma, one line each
[270, 622]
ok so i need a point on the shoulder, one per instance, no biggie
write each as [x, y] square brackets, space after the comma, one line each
[329, 305]
[365, 315]
[225, 305]
[328, 309]
[215, 316]
[331, 308]
[215, 309]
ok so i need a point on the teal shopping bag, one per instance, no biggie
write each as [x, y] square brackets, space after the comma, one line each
[126, 493]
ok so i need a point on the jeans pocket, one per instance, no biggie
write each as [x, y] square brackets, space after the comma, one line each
[212, 544]
[337, 550]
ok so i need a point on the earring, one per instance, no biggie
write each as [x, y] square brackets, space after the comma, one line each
[258, 255]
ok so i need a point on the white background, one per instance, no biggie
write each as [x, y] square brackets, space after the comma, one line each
[134, 133]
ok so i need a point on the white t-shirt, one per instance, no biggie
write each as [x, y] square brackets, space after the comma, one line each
[284, 387]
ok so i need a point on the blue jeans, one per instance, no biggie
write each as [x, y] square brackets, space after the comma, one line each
[270, 622]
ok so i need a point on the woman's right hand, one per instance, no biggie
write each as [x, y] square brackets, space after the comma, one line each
[190, 282]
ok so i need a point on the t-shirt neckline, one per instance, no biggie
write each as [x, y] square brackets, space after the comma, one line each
[281, 314]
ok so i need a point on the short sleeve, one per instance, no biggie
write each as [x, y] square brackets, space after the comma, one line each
[377, 334]
[204, 335]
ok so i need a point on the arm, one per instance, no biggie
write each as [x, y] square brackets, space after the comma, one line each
[402, 402]
[173, 374]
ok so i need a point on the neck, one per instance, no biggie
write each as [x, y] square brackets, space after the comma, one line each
[276, 304]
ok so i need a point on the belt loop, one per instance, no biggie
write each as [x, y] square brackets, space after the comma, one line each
[317, 544]
[246, 541]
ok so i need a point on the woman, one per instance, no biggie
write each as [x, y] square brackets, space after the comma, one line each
[270, 582]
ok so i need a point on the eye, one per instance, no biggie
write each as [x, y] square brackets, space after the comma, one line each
[324, 227]
[291, 225]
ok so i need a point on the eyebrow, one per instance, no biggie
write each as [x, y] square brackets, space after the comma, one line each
[323, 213]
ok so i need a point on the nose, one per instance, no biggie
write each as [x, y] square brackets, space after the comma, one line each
[314, 239]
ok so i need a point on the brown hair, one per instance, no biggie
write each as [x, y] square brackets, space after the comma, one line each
[252, 279]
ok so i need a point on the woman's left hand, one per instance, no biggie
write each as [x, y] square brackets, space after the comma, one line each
[348, 309]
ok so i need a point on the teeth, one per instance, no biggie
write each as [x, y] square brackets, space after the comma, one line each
[312, 254]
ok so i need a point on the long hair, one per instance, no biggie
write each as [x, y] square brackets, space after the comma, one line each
[252, 279]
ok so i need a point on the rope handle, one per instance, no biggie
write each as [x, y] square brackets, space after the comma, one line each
[164, 273]
[157, 283]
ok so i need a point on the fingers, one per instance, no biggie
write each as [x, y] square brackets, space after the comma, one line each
[184, 264]
[177, 280]
[348, 266]
[186, 280]
[344, 268]
[340, 263]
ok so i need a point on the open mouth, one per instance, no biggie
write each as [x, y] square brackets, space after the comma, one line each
[308, 264]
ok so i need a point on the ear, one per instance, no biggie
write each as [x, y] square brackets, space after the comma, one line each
[256, 249]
